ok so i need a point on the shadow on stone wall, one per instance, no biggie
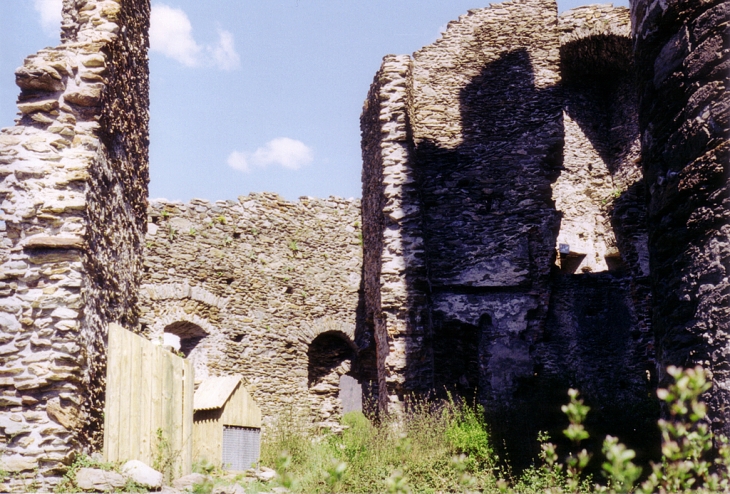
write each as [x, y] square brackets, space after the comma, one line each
[490, 227]
[504, 325]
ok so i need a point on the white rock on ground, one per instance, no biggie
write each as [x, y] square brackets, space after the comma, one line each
[265, 474]
[94, 479]
[142, 474]
[228, 489]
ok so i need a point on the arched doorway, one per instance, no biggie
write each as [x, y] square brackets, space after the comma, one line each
[334, 387]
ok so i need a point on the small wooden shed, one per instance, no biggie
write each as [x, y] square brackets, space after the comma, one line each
[226, 424]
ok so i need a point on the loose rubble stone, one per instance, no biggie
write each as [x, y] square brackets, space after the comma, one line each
[96, 480]
[186, 482]
[142, 474]
[228, 489]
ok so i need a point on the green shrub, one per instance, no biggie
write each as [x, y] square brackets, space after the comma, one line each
[445, 447]
[434, 447]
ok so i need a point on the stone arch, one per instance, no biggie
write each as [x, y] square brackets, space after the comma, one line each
[328, 325]
[188, 335]
[198, 336]
[332, 373]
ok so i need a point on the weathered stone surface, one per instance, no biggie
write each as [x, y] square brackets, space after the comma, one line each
[74, 197]
[686, 159]
[17, 463]
[68, 416]
[38, 105]
[228, 489]
[142, 474]
[260, 280]
[54, 243]
[500, 175]
[96, 480]
[86, 96]
[186, 482]
[39, 78]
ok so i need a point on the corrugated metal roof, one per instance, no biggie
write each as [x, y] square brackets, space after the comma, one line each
[214, 392]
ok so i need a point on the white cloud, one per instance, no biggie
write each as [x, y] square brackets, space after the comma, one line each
[171, 34]
[224, 53]
[50, 11]
[282, 151]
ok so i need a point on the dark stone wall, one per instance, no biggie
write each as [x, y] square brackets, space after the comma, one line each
[117, 200]
[682, 52]
[521, 132]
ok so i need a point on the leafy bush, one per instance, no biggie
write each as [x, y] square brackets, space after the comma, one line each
[446, 447]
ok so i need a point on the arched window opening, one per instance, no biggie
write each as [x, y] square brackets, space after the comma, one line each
[183, 337]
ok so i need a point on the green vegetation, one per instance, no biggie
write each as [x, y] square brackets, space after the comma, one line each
[445, 447]
[165, 456]
[436, 447]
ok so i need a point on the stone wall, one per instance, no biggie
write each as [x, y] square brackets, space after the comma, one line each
[393, 254]
[682, 50]
[506, 153]
[261, 287]
[74, 186]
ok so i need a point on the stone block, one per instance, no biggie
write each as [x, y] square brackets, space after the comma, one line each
[142, 474]
[96, 480]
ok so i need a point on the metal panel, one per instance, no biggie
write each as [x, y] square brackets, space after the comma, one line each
[240, 447]
[214, 392]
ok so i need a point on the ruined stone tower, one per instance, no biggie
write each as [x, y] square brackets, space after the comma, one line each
[74, 174]
[681, 48]
[508, 252]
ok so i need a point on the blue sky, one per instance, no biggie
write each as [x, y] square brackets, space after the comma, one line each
[252, 95]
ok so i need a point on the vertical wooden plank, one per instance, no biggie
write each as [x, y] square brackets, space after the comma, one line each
[176, 411]
[156, 404]
[135, 397]
[165, 411]
[187, 415]
[145, 392]
[124, 402]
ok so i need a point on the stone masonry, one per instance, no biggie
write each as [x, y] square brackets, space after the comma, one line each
[682, 48]
[264, 288]
[545, 206]
[505, 254]
[74, 193]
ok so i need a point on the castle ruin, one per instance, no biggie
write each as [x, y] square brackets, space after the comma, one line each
[545, 205]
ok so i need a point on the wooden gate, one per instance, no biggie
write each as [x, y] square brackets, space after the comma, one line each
[148, 414]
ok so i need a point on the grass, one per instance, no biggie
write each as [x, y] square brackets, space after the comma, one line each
[436, 447]
[445, 447]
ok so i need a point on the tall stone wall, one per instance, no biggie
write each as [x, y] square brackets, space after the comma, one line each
[513, 163]
[394, 274]
[265, 288]
[74, 185]
[682, 50]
